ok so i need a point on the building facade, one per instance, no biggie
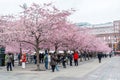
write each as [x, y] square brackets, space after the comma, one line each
[109, 32]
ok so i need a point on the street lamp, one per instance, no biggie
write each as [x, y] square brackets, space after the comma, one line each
[111, 42]
[24, 7]
[115, 43]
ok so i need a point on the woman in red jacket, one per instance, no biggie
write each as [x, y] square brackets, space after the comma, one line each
[23, 59]
[76, 56]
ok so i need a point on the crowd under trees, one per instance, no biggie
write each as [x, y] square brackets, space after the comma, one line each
[44, 27]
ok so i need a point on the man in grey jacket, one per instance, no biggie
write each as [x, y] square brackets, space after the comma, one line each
[8, 59]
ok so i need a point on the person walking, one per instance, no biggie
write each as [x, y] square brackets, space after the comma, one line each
[53, 62]
[46, 60]
[70, 56]
[99, 56]
[63, 59]
[19, 58]
[8, 60]
[23, 60]
[49, 60]
[56, 66]
[76, 56]
[35, 58]
[12, 59]
[42, 57]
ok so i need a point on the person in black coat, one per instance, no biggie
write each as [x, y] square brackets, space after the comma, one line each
[99, 56]
[63, 59]
[12, 60]
[35, 59]
[70, 56]
[53, 62]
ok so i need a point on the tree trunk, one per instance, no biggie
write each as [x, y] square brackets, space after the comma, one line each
[38, 64]
[80, 56]
[95, 53]
[56, 49]
[85, 55]
[88, 55]
[37, 54]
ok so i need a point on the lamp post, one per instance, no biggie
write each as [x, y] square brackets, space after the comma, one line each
[111, 42]
[115, 43]
[24, 6]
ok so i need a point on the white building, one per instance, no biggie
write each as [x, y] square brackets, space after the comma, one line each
[108, 32]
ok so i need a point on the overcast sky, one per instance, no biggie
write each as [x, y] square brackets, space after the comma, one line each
[92, 11]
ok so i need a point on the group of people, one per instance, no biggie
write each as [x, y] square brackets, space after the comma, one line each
[9, 61]
[100, 55]
[52, 60]
[41, 58]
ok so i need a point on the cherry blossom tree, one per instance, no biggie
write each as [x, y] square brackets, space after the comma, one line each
[37, 22]
[45, 27]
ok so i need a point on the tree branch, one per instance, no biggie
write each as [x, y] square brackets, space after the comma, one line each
[28, 42]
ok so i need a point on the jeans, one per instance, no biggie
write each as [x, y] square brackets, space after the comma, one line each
[46, 65]
[35, 61]
[56, 67]
[53, 68]
[70, 62]
[9, 66]
[76, 62]
[64, 65]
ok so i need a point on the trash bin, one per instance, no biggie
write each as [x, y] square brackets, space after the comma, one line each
[0, 62]
[2, 59]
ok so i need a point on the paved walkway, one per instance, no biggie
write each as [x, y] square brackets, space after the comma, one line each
[88, 70]
[108, 71]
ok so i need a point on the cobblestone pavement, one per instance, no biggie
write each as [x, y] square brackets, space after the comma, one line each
[88, 70]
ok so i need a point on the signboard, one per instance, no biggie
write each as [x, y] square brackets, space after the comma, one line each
[2, 50]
